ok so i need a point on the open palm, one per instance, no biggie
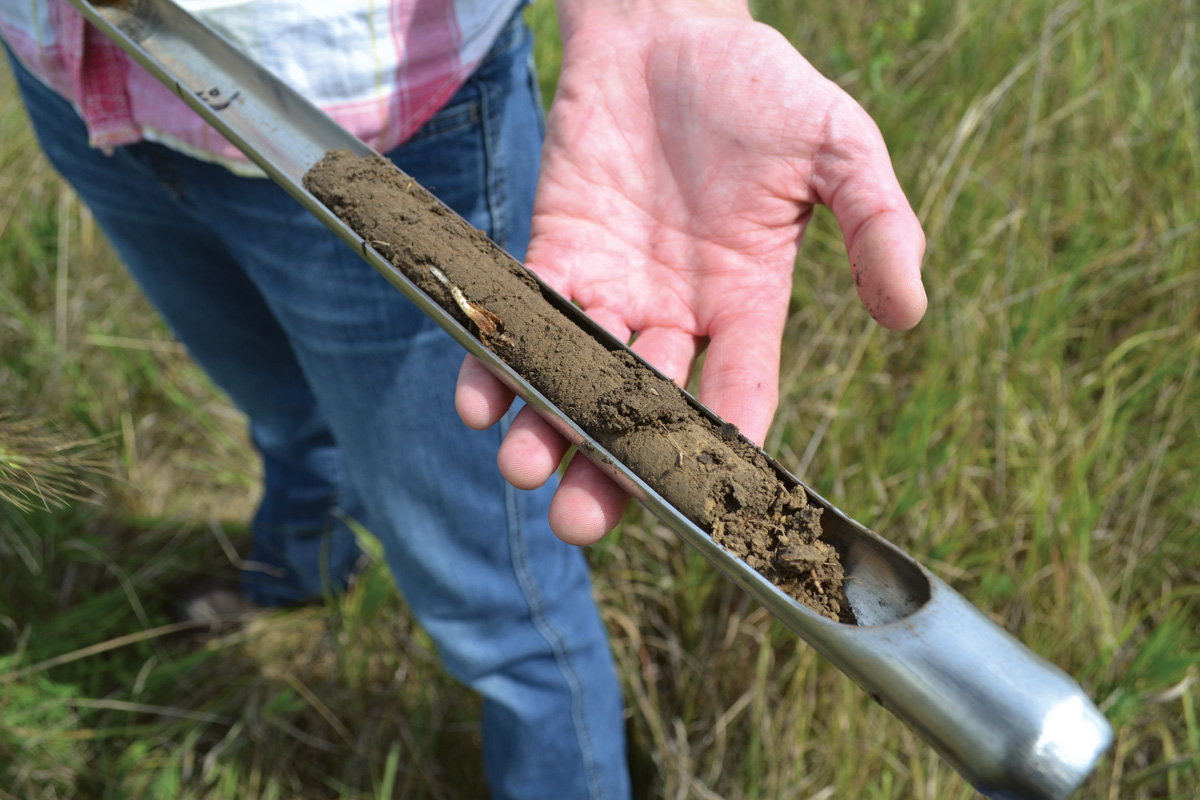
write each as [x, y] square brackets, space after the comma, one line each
[683, 159]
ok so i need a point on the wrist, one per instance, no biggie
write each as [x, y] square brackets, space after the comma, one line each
[575, 15]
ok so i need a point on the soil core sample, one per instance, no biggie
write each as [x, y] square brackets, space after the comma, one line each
[711, 474]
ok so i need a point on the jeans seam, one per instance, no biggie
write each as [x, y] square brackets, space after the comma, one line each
[537, 614]
[451, 119]
[493, 160]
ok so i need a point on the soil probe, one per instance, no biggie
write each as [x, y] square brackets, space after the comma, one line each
[1014, 725]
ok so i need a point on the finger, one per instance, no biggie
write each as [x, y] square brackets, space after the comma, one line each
[885, 258]
[479, 397]
[531, 451]
[587, 504]
[672, 351]
[740, 380]
[554, 265]
[612, 321]
[853, 175]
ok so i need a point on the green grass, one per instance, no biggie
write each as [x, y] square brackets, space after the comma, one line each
[1033, 442]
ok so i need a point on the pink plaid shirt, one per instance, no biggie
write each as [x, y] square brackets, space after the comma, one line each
[381, 69]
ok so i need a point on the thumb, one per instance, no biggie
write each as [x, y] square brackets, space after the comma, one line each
[853, 176]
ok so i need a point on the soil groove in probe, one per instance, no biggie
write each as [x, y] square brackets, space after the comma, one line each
[713, 476]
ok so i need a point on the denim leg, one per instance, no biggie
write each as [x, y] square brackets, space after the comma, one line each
[141, 202]
[508, 605]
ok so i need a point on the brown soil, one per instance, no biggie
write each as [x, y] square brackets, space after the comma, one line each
[710, 473]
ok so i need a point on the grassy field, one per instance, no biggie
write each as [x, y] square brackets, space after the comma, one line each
[1034, 442]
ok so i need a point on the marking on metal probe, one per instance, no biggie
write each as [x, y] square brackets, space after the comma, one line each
[214, 99]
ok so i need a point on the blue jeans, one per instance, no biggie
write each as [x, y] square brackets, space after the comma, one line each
[349, 392]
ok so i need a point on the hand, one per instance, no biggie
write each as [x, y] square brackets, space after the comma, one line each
[686, 148]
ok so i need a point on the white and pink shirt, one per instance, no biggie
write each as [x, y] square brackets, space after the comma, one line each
[380, 68]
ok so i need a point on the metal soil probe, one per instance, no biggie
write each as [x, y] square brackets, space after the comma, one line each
[1014, 725]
